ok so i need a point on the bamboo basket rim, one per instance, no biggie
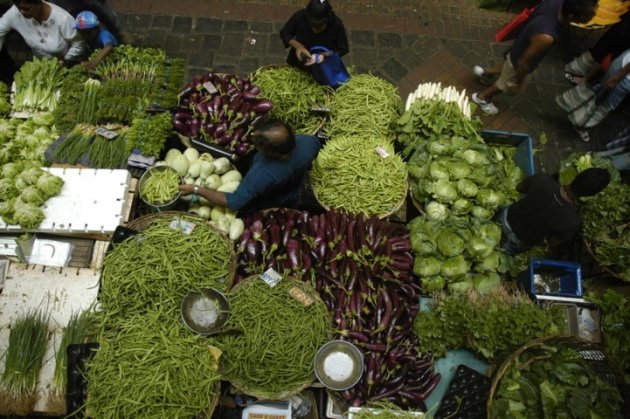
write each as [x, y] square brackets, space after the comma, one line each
[507, 362]
[588, 244]
[263, 395]
[395, 208]
[141, 223]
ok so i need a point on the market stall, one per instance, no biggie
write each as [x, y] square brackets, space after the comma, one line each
[388, 296]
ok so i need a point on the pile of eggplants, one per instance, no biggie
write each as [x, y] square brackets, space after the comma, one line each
[224, 114]
[362, 268]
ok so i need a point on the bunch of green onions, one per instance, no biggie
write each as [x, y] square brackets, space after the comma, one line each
[75, 332]
[27, 344]
[87, 107]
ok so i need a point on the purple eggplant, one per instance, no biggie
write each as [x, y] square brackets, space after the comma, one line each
[262, 107]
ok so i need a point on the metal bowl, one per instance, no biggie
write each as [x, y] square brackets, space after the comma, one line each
[206, 311]
[162, 206]
[338, 365]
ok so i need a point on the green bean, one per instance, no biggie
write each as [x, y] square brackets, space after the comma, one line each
[365, 105]
[293, 93]
[160, 187]
[278, 339]
[384, 410]
[349, 174]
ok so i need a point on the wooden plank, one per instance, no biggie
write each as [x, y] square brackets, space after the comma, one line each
[98, 254]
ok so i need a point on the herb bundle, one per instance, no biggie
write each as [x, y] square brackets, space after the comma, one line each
[131, 63]
[71, 93]
[615, 325]
[168, 83]
[120, 101]
[148, 134]
[75, 332]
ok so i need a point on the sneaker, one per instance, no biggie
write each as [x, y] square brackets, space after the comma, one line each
[479, 71]
[486, 106]
[482, 75]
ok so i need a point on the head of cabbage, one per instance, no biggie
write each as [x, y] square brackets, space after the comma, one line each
[426, 266]
[449, 243]
[437, 171]
[444, 191]
[489, 198]
[458, 169]
[467, 188]
[455, 266]
[436, 211]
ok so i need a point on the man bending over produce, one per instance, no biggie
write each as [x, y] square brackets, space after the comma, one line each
[46, 28]
[276, 174]
[96, 37]
[548, 210]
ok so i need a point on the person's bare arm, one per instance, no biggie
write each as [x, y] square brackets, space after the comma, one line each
[538, 47]
[215, 197]
[300, 50]
[90, 65]
[614, 80]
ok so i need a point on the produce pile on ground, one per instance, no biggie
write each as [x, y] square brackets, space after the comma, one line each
[616, 334]
[365, 105]
[5, 106]
[605, 217]
[216, 174]
[434, 91]
[26, 139]
[23, 361]
[458, 254]
[222, 109]
[37, 84]
[552, 381]
[293, 93]
[25, 187]
[361, 267]
[148, 133]
[84, 146]
[270, 349]
[359, 174]
[492, 325]
[169, 371]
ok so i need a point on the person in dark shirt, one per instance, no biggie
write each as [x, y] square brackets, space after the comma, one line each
[314, 25]
[530, 47]
[276, 175]
[547, 211]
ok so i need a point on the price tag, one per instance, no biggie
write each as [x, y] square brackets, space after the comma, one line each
[106, 133]
[184, 226]
[301, 296]
[381, 152]
[210, 87]
[271, 277]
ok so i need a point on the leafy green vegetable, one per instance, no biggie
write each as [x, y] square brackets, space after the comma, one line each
[148, 134]
[616, 318]
[37, 83]
[5, 106]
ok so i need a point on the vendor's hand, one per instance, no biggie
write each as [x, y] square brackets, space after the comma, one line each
[186, 189]
[300, 53]
[611, 83]
[88, 65]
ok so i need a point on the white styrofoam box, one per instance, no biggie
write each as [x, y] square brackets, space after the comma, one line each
[91, 201]
[61, 291]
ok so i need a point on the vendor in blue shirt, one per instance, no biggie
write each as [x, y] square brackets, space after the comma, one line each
[276, 173]
[96, 36]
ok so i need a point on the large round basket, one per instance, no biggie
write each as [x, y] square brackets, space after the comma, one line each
[260, 394]
[394, 209]
[591, 251]
[590, 353]
[141, 224]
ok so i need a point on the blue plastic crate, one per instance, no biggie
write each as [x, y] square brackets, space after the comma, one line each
[524, 157]
[569, 273]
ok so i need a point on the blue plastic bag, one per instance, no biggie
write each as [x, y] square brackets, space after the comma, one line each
[330, 72]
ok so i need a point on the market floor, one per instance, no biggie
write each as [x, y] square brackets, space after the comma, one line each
[406, 42]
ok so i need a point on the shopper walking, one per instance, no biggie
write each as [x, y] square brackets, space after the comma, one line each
[530, 47]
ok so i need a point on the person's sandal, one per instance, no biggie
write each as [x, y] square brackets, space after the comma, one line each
[573, 78]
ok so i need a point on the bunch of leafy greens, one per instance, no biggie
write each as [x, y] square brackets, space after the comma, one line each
[148, 134]
[457, 254]
[26, 140]
[131, 63]
[37, 84]
[5, 106]
[554, 382]
[24, 188]
[604, 216]
[492, 324]
[71, 92]
[169, 82]
[616, 326]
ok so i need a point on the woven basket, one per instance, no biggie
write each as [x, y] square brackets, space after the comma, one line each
[395, 208]
[590, 353]
[141, 224]
[590, 249]
[260, 394]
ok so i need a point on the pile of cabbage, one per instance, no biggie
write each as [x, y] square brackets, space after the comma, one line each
[24, 188]
[457, 254]
[26, 139]
[457, 177]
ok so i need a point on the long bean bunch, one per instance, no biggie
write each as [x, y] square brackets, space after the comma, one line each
[145, 368]
[293, 93]
[276, 340]
[350, 174]
[157, 268]
[366, 105]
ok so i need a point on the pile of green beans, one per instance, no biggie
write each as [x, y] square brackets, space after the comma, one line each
[366, 105]
[383, 410]
[349, 174]
[148, 369]
[157, 268]
[160, 187]
[276, 339]
[293, 93]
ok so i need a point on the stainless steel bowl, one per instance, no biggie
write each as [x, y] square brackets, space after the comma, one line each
[338, 365]
[205, 311]
[162, 206]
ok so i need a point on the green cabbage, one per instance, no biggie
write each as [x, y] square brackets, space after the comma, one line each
[433, 284]
[458, 169]
[10, 170]
[489, 198]
[43, 118]
[462, 206]
[444, 191]
[7, 188]
[455, 266]
[31, 175]
[426, 266]
[486, 282]
[491, 232]
[32, 195]
[27, 215]
[450, 243]
[481, 213]
[479, 247]
[439, 146]
[460, 286]
[474, 157]
[49, 184]
[467, 188]
[6, 207]
[438, 171]
[489, 263]
[436, 211]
